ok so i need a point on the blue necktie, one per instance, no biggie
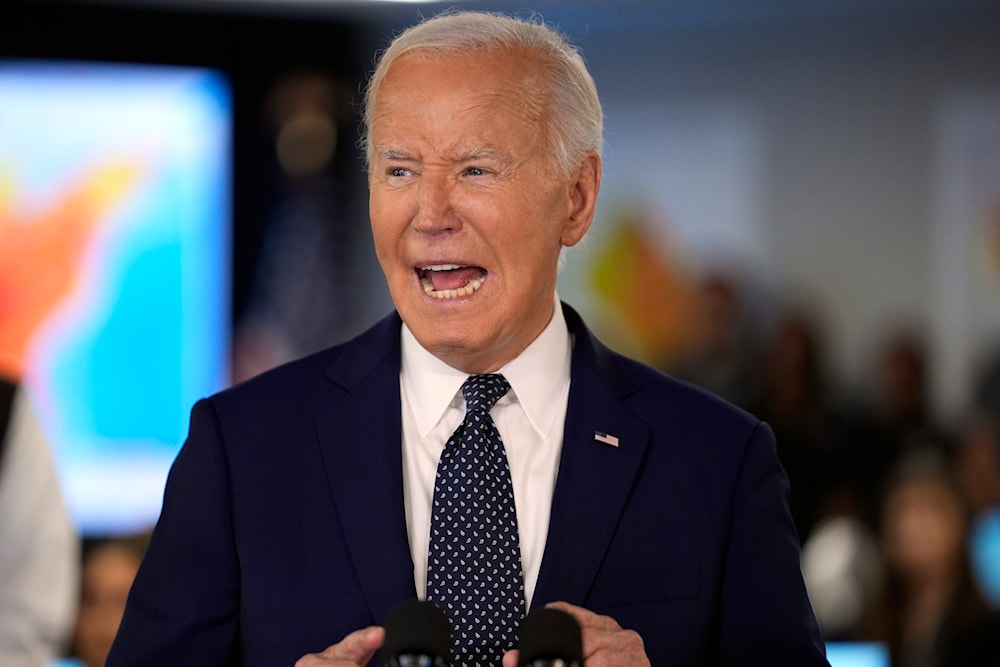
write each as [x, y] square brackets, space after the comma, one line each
[474, 561]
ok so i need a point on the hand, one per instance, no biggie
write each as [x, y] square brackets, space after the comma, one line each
[354, 650]
[605, 643]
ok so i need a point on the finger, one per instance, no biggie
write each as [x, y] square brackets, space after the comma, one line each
[356, 648]
[628, 657]
[510, 658]
[593, 627]
[621, 648]
[586, 618]
[605, 642]
[359, 646]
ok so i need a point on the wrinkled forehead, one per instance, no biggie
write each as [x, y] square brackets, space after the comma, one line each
[457, 100]
[503, 76]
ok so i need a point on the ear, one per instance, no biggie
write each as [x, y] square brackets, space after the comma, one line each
[582, 201]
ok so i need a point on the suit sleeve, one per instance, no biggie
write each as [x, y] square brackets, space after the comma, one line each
[183, 608]
[767, 619]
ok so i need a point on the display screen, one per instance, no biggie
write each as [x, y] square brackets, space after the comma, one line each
[115, 185]
[857, 654]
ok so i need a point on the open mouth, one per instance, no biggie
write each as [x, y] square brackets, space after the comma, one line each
[450, 281]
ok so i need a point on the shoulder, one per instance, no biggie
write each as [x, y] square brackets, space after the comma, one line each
[652, 394]
[687, 428]
[304, 382]
[688, 412]
[662, 387]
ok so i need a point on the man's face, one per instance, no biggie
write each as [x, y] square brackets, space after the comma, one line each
[468, 210]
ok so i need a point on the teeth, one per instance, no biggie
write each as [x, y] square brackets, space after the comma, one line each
[473, 285]
[440, 267]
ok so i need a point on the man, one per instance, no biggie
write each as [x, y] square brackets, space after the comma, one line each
[305, 503]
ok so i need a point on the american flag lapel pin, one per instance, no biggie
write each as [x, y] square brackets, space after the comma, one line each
[606, 438]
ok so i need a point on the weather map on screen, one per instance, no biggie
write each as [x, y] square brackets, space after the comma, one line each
[115, 185]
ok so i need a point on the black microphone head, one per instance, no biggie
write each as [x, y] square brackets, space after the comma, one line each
[415, 627]
[548, 635]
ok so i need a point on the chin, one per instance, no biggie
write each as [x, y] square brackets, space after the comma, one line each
[439, 337]
[445, 340]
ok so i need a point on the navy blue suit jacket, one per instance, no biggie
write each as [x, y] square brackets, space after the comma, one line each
[283, 529]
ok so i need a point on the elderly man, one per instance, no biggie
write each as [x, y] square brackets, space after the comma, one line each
[307, 502]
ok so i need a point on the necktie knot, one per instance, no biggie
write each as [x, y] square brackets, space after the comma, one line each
[481, 392]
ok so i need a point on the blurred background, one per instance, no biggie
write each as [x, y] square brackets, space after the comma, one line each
[800, 211]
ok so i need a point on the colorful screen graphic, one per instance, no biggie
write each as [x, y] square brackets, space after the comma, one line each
[857, 654]
[114, 267]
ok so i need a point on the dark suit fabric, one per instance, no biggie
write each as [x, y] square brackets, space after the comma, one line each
[283, 527]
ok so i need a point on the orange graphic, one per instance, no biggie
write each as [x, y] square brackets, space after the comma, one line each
[41, 253]
[649, 294]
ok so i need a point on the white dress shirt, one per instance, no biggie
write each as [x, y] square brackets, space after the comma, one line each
[530, 419]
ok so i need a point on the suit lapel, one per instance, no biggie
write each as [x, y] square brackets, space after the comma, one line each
[360, 435]
[361, 450]
[594, 477]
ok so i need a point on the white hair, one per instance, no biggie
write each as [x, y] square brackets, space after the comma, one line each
[577, 121]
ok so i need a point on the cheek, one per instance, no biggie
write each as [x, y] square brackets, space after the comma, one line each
[379, 241]
[531, 225]
[385, 234]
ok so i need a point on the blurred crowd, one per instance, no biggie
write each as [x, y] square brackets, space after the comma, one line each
[898, 513]
[109, 566]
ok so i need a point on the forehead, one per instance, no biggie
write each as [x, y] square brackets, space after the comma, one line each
[427, 87]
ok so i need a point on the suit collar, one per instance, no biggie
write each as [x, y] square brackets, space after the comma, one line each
[368, 352]
[537, 376]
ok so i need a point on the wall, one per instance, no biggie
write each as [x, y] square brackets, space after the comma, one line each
[812, 152]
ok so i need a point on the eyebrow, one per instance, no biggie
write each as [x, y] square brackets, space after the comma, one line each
[479, 153]
[471, 155]
[392, 154]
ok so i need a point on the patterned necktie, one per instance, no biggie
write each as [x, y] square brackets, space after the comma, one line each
[474, 562]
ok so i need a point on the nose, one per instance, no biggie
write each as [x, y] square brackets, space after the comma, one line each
[435, 212]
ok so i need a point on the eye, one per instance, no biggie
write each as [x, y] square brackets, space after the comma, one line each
[475, 171]
[397, 172]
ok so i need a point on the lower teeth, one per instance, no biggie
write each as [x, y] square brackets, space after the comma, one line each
[452, 293]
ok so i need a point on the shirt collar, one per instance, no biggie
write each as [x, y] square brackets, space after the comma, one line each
[537, 377]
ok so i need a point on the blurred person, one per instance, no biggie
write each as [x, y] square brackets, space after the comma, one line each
[978, 455]
[930, 611]
[979, 473]
[311, 499]
[718, 358]
[796, 398]
[842, 567]
[896, 419]
[986, 383]
[109, 567]
[39, 545]
[902, 404]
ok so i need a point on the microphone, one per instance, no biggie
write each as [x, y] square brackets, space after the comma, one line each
[417, 634]
[550, 638]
